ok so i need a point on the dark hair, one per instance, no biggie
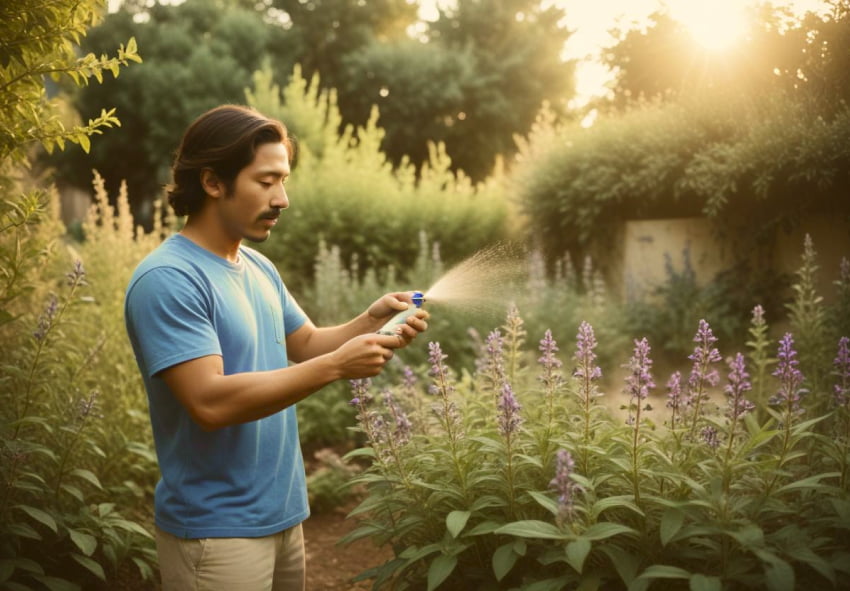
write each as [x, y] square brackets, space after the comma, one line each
[224, 140]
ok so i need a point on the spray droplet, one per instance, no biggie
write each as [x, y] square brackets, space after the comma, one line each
[481, 283]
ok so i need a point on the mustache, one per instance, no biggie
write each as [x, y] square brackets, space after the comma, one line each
[271, 214]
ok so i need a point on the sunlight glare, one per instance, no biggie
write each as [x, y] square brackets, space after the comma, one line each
[715, 25]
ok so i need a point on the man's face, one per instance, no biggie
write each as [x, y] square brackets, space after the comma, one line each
[251, 210]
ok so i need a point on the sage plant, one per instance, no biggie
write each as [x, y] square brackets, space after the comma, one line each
[564, 485]
[639, 382]
[703, 374]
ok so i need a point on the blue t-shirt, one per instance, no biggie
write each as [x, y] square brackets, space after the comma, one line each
[184, 302]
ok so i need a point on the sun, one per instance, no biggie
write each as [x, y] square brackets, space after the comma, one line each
[715, 25]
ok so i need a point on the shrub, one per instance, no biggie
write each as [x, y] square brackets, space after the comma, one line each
[534, 480]
[345, 192]
[78, 466]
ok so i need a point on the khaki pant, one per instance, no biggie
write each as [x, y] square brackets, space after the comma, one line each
[271, 563]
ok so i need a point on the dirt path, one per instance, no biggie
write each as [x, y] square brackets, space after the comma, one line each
[330, 567]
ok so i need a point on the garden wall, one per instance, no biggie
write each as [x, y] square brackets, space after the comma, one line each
[645, 243]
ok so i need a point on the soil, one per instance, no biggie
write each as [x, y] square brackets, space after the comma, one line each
[330, 567]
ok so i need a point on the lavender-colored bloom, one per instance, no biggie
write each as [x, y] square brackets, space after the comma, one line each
[738, 384]
[45, 321]
[639, 381]
[409, 379]
[439, 371]
[551, 375]
[509, 418]
[548, 346]
[703, 356]
[87, 406]
[585, 356]
[674, 398]
[77, 274]
[842, 371]
[790, 378]
[563, 484]
[709, 436]
[360, 391]
[492, 363]
[403, 426]
[758, 315]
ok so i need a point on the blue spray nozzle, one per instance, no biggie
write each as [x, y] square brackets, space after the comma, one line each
[391, 327]
[418, 299]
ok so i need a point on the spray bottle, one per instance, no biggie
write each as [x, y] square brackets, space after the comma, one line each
[390, 327]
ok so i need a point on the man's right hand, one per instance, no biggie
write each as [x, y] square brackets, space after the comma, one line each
[364, 356]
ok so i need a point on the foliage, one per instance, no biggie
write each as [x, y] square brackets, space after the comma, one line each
[78, 465]
[535, 480]
[741, 162]
[805, 55]
[680, 301]
[344, 191]
[39, 41]
[198, 54]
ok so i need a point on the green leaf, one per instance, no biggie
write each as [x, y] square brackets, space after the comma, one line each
[533, 529]
[88, 476]
[671, 523]
[504, 559]
[56, 584]
[85, 542]
[90, 565]
[812, 482]
[456, 521]
[40, 516]
[440, 569]
[615, 502]
[779, 575]
[7, 567]
[577, 552]
[556, 584]
[663, 571]
[699, 582]
[603, 530]
[73, 491]
[545, 501]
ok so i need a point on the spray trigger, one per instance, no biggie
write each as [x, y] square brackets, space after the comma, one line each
[390, 327]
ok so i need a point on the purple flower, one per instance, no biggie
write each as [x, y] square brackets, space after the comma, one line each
[87, 406]
[735, 389]
[403, 426]
[548, 346]
[45, 321]
[758, 316]
[409, 379]
[77, 274]
[360, 390]
[563, 484]
[703, 356]
[639, 381]
[709, 436]
[585, 356]
[842, 371]
[509, 418]
[492, 365]
[790, 378]
[550, 376]
[674, 398]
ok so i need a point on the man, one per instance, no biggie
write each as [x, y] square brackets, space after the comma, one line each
[212, 326]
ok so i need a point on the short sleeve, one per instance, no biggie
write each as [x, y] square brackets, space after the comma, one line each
[293, 316]
[169, 320]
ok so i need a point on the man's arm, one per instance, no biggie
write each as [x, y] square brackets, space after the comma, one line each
[215, 400]
[309, 341]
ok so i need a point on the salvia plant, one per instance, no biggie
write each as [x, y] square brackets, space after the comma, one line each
[77, 466]
[734, 475]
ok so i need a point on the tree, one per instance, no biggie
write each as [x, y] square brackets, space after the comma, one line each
[198, 54]
[38, 40]
[516, 46]
[809, 55]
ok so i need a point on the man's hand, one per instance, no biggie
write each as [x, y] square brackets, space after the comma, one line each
[390, 304]
[364, 356]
